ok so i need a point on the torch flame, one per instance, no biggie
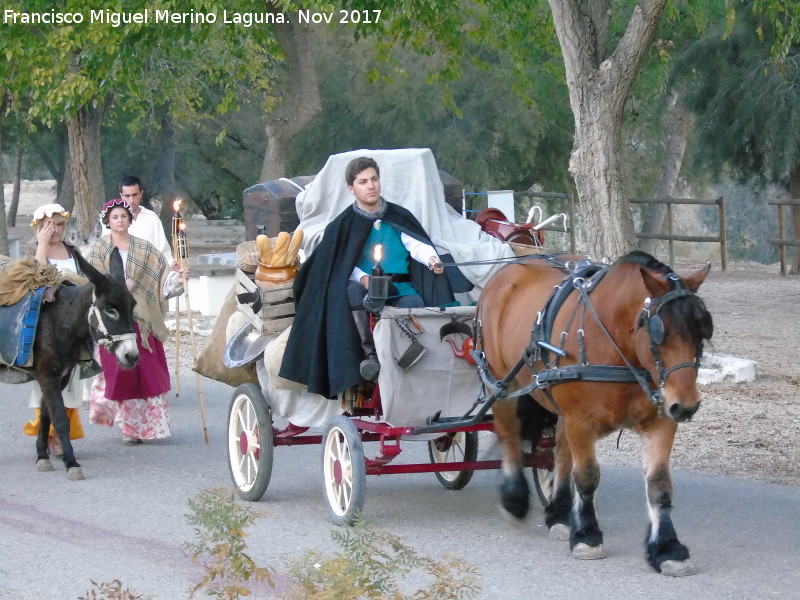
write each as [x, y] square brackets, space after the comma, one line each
[378, 252]
[182, 226]
[176, 206]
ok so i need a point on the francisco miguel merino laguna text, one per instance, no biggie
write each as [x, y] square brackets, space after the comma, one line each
[147, 16]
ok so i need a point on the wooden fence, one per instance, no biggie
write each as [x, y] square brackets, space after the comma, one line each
[782, 241]
[671, 238]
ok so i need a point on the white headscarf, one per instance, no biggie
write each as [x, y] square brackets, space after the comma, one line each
[48, 210]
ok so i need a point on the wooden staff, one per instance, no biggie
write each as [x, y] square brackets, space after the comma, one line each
[183, 253]
[177, 221]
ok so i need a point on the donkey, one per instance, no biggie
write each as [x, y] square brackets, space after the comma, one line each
[100, 311]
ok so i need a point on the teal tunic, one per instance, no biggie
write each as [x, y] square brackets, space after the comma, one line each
[395, 255]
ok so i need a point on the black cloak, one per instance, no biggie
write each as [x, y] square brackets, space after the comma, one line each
[324, 349]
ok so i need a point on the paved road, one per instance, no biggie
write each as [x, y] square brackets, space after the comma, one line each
[126, 520]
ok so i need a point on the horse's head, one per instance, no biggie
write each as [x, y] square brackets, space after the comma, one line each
[671, 327]
[111, 313]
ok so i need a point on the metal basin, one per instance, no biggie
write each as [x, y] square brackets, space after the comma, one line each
[246, 345]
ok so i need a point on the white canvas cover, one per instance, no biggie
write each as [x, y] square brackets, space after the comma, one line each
[439, 381]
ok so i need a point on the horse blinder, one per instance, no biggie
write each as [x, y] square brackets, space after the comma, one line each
[655, 328]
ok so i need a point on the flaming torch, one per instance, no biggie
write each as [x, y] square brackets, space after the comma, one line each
[180, 248]
[177, 223]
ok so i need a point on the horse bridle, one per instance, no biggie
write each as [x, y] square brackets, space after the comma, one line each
[655, 328]
[106, 339]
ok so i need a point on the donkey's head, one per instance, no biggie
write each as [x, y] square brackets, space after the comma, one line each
[111, 313]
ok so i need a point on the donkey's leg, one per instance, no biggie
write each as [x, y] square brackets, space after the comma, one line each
[586, 539]
[51, 395]
[557, 513]
[664, 552]
[42, 457]
[514, 490]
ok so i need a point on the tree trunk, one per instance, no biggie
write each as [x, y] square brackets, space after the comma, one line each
[794, 192]
[678, 118]
[87, 174]
[165, 177]
[3, 227]
[17, 179]
[66, 190]
[300, 102]
[598, 88]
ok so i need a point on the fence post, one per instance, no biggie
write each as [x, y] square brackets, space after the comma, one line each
[723, 236]
[782, 248]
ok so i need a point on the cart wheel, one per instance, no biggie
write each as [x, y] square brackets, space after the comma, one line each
[250, 446]
[543, 481]
[344, 470]
[461, 446]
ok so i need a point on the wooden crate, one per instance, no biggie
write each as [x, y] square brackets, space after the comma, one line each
[277, 304]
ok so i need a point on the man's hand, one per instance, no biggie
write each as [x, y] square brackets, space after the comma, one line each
[435, 265]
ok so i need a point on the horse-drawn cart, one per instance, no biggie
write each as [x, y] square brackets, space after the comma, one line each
[363, 432]
[428, 389]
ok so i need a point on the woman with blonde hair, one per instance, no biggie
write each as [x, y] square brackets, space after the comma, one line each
[48, 246]
[136, 398]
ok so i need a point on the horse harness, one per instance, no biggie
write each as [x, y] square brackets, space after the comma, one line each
[582, 277]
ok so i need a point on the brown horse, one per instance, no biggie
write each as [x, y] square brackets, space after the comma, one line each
[604, 347]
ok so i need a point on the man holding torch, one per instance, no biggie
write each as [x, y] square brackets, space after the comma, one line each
[330, 347]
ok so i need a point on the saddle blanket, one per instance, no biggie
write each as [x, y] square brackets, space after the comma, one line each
[18, 328]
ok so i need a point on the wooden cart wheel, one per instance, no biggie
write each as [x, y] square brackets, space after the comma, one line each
[344, 470]
[543, 481]
[461, 446]
[250, 442]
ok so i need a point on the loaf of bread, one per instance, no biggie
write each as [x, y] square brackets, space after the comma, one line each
[264, 249]
[280, 251]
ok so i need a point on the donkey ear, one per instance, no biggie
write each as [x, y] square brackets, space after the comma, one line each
[87, 269]
[695, 280]
[654, 286]
[116, 269]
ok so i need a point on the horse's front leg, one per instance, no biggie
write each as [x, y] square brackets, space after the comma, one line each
[53, 401]
[664, 552]
[586, 539]
[514, 490]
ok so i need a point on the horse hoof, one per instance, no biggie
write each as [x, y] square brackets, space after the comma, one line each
[677, 568]
[559, 532]
[583, 552]
[511, 518]
[43, 465]
[75, 474]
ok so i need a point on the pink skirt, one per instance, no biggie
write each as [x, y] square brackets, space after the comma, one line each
[150, 376]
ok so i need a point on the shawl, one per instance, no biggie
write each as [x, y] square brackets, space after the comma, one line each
[147, 267]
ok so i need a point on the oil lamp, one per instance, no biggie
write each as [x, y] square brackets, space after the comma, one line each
[378, 291]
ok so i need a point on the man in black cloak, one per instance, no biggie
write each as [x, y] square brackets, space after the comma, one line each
[330, 347]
